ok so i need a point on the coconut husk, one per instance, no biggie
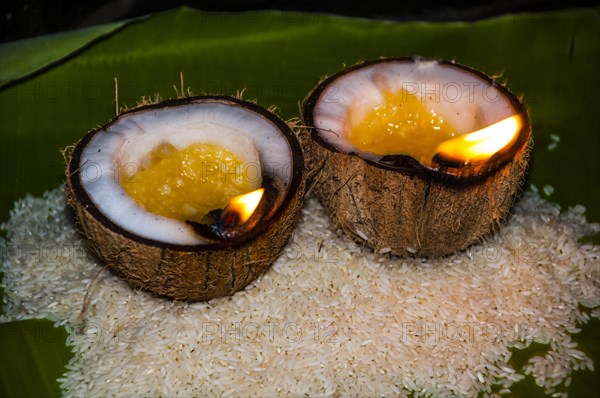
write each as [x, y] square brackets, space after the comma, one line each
[410, 214]
[412, 210]
[190, 273]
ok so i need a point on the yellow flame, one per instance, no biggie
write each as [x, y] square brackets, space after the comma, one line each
[482, 144]
[244, 205]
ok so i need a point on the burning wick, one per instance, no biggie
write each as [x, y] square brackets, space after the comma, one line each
[240, 208]
[240, 215]
[482, 144]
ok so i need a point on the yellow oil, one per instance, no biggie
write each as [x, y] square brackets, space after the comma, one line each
[186, 184]
[401, 125]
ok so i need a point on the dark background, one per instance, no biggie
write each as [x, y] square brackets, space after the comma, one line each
[27, 18]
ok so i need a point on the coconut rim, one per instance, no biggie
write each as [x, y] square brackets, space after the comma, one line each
[296, 159]
[409, 165]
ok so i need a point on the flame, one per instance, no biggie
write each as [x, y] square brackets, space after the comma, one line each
[244, 205]
[482, 144]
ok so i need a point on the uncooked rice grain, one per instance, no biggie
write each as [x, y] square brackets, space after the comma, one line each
[329, 317]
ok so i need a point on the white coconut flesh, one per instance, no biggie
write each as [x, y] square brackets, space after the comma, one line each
[464, 100]
[257, 142]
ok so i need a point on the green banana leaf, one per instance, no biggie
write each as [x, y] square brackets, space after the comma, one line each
[50, 97]
[33, 355]
[23, 58]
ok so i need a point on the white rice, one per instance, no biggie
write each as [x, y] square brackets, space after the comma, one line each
[329, 317]
[555, 139]
[548, 189]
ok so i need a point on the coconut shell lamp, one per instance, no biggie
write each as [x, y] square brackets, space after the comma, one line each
[413, 156]
[190, 198]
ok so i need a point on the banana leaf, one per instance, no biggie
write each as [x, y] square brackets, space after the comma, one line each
[551, 59]
[23, 58]
[33, 356]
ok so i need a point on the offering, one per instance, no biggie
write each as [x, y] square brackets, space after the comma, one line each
[191, 198]
[415, 156]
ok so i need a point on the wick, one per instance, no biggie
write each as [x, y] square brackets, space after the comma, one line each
[231, 219]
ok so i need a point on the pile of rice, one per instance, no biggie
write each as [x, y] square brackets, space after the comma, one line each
[329, 317]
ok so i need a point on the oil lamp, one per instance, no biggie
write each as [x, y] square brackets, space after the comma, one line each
[415, 156]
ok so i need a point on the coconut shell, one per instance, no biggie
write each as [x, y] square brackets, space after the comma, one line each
[191, 273]
[412, 210]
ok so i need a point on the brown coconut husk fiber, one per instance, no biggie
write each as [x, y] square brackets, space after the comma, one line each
[412, 210]
[194, 273]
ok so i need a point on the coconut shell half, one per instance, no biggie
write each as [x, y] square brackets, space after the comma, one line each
[190, 272]
[397, 204]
